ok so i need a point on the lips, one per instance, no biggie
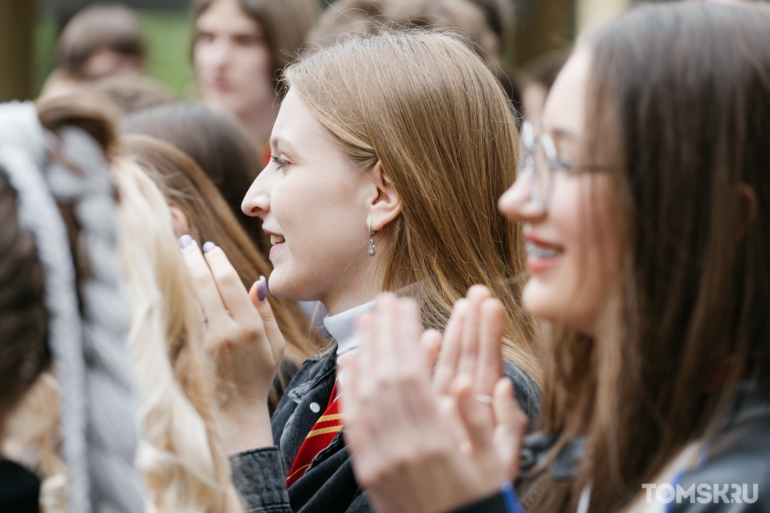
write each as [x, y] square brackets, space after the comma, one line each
[276, 241]
[541, 254]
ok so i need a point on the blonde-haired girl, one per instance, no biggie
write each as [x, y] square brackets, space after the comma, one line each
[388, 156]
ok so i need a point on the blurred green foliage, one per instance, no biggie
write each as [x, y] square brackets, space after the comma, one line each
[168, 35]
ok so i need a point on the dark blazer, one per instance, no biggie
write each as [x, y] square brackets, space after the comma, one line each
[329, 485]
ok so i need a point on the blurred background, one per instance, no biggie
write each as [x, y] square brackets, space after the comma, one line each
[29, 30]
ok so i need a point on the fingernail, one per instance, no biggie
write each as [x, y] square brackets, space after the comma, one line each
[209, 246]
[262, 288]
[184, 241]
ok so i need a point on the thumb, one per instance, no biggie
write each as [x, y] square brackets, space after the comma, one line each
[258, 297]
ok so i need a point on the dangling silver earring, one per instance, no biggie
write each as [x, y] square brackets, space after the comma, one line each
[372, 250]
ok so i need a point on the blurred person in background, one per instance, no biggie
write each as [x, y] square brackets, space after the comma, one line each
[488, 23]
[101, 40]
[64, 306]
[537, 78]
[130, 93]
[239, 50]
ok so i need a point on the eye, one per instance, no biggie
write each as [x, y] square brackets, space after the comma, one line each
[279, 162]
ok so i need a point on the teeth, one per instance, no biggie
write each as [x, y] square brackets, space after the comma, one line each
[276, 239]
[541, 252]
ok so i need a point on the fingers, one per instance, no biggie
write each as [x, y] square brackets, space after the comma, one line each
[430, 343]
[258, 298]
[475, 416]
[208, 294]
[231, 289]
[446, 368]
[470, 338]
[408, 333]
[511, 426]
[489, 368]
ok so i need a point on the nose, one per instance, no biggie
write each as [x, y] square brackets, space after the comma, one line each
[257, 200]
[517, 204]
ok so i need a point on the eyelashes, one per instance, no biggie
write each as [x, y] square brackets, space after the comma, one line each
[278, 161]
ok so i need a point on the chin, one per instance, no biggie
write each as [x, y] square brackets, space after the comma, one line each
[281, 284]
[540, 301]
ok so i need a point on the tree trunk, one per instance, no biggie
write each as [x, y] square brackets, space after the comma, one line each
[17, 30]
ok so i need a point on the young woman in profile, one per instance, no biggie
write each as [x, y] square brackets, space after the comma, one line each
[644, 205]
[364, 194]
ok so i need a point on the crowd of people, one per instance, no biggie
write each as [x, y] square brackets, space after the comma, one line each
[368, 271]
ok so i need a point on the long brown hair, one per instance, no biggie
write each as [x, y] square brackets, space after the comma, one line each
[188, 188]
[425, 106]
[218, 144]
[679, 103]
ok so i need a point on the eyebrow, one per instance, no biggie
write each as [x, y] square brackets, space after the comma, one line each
[565, 133]
[279, 142]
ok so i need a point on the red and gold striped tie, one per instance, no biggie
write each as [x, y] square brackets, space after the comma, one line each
[318, 439]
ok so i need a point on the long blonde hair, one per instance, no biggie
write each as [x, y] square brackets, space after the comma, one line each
[424, 105]
[181, 457]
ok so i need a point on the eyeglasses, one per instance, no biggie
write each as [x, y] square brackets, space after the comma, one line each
[538, 154]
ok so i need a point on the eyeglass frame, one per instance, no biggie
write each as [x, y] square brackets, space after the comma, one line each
[555, 164]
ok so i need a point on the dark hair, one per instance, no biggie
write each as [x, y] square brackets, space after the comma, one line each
[545, 68]
[217, 143]
[112, 26]
[679, 103]
[284, 22]
[131, 93]
[24, 352]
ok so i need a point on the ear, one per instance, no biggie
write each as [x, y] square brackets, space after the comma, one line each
[181, 223]
[749, 205]
[386, 206]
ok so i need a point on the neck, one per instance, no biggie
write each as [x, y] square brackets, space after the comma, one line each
[259, 123]
[355, 288]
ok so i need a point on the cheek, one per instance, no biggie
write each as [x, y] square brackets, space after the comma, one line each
[577, 291]
[254, 67]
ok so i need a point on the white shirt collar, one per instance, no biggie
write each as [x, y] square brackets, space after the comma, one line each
[342, 327]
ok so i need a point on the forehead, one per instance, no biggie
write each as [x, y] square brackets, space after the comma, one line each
[565, 108]
[226, 16]
[297, 125]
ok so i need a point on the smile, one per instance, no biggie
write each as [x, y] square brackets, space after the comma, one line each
[541, 252]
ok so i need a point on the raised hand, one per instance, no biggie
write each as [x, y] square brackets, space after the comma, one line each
[242, 339]
[403, 434]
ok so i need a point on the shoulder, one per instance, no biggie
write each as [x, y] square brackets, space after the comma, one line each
[736, 478]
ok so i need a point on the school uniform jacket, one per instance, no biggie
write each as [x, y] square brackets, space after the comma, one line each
[328, 486]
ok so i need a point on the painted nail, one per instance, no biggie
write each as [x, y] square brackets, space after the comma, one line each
[209, 246]
[262, 288]
[184, 241]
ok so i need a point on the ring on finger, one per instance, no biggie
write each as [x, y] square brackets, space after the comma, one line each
[483, 398]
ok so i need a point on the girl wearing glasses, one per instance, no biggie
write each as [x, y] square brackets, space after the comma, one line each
[644, 207]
